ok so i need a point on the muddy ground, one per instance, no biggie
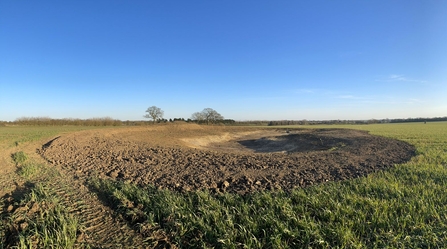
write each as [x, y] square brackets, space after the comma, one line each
[187, 157]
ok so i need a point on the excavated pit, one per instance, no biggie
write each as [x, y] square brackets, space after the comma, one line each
[225, 159]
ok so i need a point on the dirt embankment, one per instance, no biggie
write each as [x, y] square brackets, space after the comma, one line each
[238, 160]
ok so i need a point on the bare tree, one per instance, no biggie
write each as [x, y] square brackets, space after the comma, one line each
[197, 116]
[155, 113]
[208, 114]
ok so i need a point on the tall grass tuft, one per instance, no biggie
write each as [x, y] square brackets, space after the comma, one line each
[30, 170]
[19, 157]
[44, 222]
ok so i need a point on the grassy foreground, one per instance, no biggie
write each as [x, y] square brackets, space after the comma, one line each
[403, 207]
[35, 218]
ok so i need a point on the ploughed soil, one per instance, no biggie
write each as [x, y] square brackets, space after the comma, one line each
[187, 157]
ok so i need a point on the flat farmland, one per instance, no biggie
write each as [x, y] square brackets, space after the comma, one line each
[191, 186]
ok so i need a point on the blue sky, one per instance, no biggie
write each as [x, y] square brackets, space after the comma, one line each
[248, 60]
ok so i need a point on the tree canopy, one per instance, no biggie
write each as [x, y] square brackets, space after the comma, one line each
[155, 113]
[208, 115]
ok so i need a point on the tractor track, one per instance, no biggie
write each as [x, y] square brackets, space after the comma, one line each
[100, 227]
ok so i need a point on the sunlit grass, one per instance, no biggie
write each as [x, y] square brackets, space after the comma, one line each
[44, 223]
[384, 210]
[50, 226]
[19, 157]
[13, 136]
[36, 171]
[39, 219]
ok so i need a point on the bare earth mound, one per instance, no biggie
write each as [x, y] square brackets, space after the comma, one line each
[238, 160]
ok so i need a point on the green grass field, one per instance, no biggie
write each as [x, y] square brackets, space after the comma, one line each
[13, 136]
[402, 207]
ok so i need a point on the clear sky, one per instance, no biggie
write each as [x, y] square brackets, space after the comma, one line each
[248, 60]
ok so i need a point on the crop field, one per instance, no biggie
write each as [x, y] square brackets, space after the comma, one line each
[191, 186]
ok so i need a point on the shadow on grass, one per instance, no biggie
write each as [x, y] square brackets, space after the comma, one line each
[9, 204]
[18, 194]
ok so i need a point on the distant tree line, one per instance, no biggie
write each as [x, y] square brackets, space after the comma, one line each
[436, 119]
[369, 121]
[313, 122]
[46, 121]
[220, 121]
[252, 123]
[207, 116]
